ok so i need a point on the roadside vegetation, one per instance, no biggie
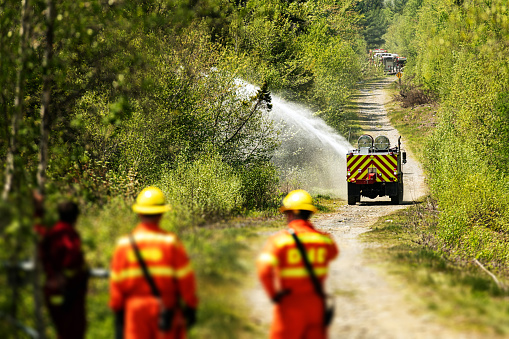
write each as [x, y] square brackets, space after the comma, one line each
[458, 57]
[414, 119]
[459, 294]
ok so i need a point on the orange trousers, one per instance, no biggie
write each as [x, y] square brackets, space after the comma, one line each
[141, 317]
[298, 317]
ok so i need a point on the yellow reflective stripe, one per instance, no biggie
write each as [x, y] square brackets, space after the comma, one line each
[182, 272]
[148, 254]
[69, 273]
[268, 258]
[138, 272]
[146, 236]
[56, 299]
[305, 238]
[302, 272]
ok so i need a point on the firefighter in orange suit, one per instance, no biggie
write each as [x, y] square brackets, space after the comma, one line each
[299, 311]
[136, 309]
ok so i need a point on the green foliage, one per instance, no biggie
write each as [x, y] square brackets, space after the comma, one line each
[310, 52]
[259, 186]
[501, 129]
[400, 36]
[205, 188]
[337, 68]
[461, 57]
[374, 22]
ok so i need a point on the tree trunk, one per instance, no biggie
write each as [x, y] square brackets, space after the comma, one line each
[46, 96]
[18, 111]
[43, 150]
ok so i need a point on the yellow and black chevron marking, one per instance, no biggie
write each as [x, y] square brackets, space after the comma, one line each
[358, 167]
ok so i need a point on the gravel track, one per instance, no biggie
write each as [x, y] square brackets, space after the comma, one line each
[369, 304]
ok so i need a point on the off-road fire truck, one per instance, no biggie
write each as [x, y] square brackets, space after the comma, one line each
[375, 169]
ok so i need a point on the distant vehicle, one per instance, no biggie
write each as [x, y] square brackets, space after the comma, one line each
[381, 55]
[389, 64]
[375, 51]
[400, 63]
[392, 63]
[375, 169]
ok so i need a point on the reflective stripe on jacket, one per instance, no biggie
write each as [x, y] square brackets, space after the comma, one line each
[167, 263]
[280, 263]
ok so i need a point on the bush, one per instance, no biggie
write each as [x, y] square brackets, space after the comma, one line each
[412, 95]
[259, 186]
[207, 188]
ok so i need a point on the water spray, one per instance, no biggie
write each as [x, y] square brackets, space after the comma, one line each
[312, 155]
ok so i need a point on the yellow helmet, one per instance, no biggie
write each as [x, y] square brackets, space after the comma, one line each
[151, 201]
[298, 200]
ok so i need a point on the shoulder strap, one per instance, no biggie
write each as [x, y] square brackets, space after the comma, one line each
[148, 277]
[309, 268]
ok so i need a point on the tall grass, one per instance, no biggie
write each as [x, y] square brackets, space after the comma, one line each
[462, 295]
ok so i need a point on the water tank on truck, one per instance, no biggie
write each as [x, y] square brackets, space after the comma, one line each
[374, 169]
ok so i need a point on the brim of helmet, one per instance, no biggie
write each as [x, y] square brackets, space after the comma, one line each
[303, 207]
[151, 209]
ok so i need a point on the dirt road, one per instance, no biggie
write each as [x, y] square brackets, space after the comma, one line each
[368, 304]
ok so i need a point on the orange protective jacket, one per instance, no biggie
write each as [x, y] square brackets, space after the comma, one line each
[280, 267]
[167, 263]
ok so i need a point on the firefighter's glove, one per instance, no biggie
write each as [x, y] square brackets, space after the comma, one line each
[119, 324]
[280, 295]
[190, 316]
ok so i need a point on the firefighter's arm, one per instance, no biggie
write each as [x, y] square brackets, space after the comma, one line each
[186, 283]
[116, 301]
[266, 264]
[185, 277]
[334, 250]
[73, 261]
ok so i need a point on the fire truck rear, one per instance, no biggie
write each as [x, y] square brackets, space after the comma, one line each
[375, 169]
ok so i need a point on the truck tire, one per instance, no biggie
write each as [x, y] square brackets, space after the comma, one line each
[398, 199]
[395, 199]
[352, 200]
